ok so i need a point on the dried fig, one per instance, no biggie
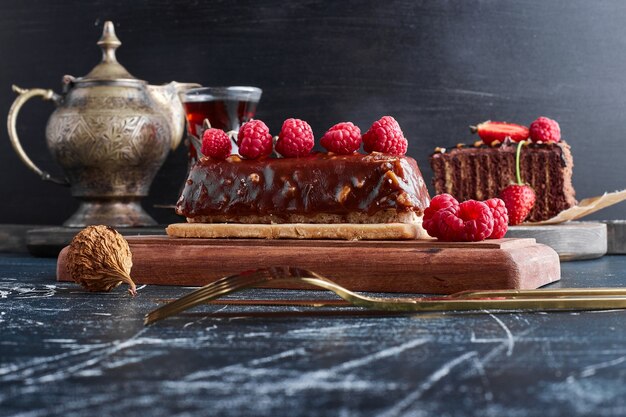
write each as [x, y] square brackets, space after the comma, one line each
[99, 259]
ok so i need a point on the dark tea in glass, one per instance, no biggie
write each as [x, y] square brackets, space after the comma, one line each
[227, 108]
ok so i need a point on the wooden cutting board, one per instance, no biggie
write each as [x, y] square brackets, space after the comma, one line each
[413, 266]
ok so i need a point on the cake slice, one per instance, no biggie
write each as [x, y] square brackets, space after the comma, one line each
[322, 188]
[480, 172]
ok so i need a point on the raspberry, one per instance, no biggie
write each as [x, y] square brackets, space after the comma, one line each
[254, 140]
[471, 222]
[295, 139]
[545, 130]
[216, 144]
[447, 224]
[519, 201]
[490, 131]
[439, 202]
[500, 218]
[342, 138]
[385, 136]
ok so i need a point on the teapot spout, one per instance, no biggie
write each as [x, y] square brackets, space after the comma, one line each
[167, 98]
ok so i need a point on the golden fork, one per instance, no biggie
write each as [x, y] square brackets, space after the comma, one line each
[548, 299]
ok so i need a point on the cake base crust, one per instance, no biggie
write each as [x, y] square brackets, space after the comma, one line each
[386, 231]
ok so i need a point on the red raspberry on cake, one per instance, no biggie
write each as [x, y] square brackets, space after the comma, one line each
[216, 144]
[385, 136]
[545, 130]
[295, 139]
[254, 140]
[342, 138]
[430, 221]
[500, 218]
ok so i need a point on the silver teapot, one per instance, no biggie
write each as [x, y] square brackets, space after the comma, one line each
[110, 133]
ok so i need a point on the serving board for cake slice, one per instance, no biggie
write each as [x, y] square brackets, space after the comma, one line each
[408, 266]
[571, 240]
[616, 237]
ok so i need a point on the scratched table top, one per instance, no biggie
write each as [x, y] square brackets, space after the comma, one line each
[70, 353]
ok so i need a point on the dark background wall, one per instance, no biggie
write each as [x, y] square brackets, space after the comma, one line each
[437, 66]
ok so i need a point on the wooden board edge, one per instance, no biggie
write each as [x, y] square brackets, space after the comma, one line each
[422, 270]
[505, 243]
[538, 265]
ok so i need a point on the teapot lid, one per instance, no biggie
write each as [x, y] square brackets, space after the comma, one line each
[108, 69]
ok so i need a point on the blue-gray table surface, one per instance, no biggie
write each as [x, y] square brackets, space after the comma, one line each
[71, 353]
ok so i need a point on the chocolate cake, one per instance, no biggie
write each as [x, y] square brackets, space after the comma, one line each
[319, 188]
[480, 172]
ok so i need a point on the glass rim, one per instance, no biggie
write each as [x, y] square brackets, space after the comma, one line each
[237, 91]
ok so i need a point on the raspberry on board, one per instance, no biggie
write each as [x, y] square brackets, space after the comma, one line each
[545, 130]
[385, 136]
[500, 218]
[343, 138]
[295, 139]
[439, 202]
[472, 222]
[216, 144]
[254, 140]
[449, 225]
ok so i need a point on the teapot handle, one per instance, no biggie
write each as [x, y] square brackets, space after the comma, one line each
[23, 96]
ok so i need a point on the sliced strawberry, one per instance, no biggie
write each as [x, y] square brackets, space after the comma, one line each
[491, 131]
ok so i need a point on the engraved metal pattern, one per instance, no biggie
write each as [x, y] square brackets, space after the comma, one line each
[107, 155]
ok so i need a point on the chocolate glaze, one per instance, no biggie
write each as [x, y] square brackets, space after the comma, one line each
[319, 183]
[479, 173]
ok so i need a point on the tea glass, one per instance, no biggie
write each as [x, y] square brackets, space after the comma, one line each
[226, 108]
